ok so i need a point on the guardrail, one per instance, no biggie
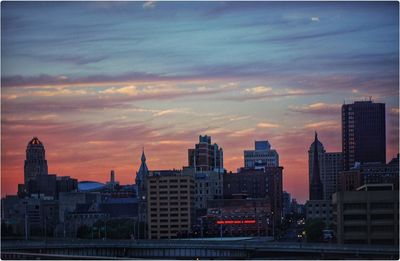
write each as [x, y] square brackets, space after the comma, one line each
[256, 245]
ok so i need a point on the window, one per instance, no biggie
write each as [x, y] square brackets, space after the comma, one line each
[381, 216]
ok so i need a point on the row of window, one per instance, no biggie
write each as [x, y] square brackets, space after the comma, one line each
[166, 220]
[166, 209]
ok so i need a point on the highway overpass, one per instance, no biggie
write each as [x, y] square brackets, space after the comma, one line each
[252, 248]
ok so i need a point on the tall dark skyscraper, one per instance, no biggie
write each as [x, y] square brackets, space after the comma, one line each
[363, 133]
[316, 187]
[206, 156]
[35, 163]
[141, 185]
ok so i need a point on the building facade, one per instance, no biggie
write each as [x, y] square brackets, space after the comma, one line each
[208, 186]
[369, 215]
[251, 183]
[47, 185]
[320, 209]
[141, 181]
[370, 173]
[170, 200]
[316, 187]
[236, 217]
[206, 156]
[330, 165]
[333, 165]
[35, 162]
[286, 203]
[261, 156]
[363, 133]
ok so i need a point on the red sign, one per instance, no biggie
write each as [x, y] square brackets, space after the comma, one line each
[230, 222]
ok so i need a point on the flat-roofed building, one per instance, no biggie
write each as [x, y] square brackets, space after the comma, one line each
[253, 183]
[208, 186]
[319, 209]
[236, 217]
[370, 173]
[369, 215]
[363, 133]
[170, 204]
[262, 156]
[206, 156]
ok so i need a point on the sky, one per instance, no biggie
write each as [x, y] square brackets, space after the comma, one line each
[98, 81]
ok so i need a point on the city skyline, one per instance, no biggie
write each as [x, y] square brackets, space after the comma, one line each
[97, 88]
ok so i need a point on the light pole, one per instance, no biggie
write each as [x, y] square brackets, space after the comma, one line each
[273, 225]
[105, 228]
[26, 220]
[144, 226]
[45, 229]
[201, 222]
[221, 223]
[256, 218]
[138, 221]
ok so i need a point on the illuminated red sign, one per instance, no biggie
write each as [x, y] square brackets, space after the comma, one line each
[230, 222]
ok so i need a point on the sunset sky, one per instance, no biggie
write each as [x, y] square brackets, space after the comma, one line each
[97, 81]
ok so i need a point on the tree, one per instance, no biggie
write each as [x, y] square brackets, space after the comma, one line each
[314, 229]
[84, 232]
[6, 230]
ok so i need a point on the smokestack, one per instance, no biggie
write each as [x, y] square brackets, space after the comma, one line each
[112, 178]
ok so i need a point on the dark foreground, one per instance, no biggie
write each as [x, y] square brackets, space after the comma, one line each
[245, 248]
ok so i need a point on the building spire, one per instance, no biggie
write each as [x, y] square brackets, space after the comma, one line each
[143, 156]
[143, 170]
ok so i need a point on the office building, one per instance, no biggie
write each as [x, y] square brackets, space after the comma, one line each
[286, 203]
[261, 156]
[316, 187]
[320, 209]
[369, 215]
[330, 165]
[47, 185]
[236, 217]
[170, 201]
[30, 217]
[363, 133]
[35, 162]
[251, 183]
[370, 173]
[208, 186]
[206, 156]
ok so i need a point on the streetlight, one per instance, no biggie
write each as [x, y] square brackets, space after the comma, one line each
[26, 220]
[201, 222]
[221, 223]
[105, 228]
[273, 225]
[139, 219]
[65, 220]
